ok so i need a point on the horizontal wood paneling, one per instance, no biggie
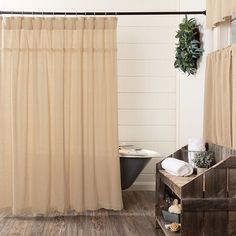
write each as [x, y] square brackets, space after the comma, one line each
[148, 21]
[158, 34]
[160, 68]
[145, 85]
[148, 117]
[146, 101]
[132, 5]
[147, 133]
[146, 51]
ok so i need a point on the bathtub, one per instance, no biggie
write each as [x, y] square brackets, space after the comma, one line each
[132, 162]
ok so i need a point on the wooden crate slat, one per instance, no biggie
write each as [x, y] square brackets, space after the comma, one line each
[209, 204]
[232, 223]
[193, 189]
[221, 152]
[216, 183]
[216, 223]
[230, 162]
[159, 196]
[180, 154]
[232, 194]
[192, 223]
[175, 183]
[218, 151]
[232, 182]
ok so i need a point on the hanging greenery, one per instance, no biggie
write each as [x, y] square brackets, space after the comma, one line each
[188, 49]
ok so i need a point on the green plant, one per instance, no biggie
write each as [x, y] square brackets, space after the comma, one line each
[188, 49]
[203, 159]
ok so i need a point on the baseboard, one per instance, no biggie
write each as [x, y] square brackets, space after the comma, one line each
[142, 186]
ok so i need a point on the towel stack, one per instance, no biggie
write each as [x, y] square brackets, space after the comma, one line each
[195, 145]
[177, 167]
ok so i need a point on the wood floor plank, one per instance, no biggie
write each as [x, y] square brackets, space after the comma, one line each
[37, 226]
[136, 219]
[19, 227]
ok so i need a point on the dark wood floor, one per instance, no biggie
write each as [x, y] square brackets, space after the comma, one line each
[137, 218]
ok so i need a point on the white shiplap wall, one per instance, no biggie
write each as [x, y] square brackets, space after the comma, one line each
[147, 86]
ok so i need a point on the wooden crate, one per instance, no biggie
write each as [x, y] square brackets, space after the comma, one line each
[208, 200]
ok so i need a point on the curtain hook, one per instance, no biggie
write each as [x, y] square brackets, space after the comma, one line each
[22, 14]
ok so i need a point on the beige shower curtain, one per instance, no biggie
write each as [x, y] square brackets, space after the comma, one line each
[219, 11]
[220, 98]
[58, 115]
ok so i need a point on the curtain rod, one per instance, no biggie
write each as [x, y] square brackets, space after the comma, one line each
[104, 13]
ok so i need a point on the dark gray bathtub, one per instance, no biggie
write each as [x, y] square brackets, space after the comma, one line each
[130, 168]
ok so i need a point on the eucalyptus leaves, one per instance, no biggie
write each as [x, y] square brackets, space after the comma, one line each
[188, 49]
[203, 159]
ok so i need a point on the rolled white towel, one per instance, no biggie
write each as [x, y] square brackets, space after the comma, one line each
[177, 167]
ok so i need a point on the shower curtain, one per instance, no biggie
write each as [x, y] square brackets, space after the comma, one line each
[220, 98]
[219, 11]
[58, 115]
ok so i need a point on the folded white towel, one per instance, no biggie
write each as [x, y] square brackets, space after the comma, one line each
[195, 145]
[177, 167]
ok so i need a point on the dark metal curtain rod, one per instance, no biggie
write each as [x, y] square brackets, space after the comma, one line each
[104, 13]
